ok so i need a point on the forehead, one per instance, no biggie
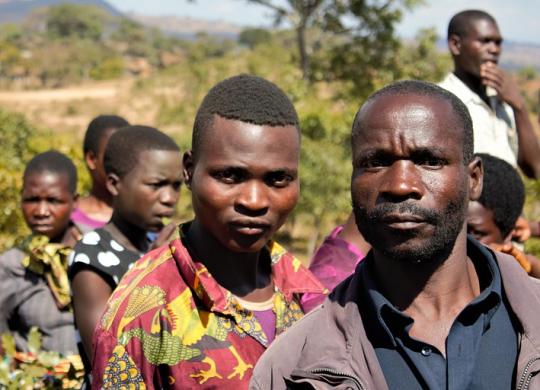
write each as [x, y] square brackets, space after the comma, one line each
[483, 27]
[425, 122]
[233, 142]
[46, 180]
[153, 161]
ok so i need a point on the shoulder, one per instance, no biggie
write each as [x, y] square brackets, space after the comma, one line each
[11, 262]
[98, 250]
[153, 280]
[284, 353]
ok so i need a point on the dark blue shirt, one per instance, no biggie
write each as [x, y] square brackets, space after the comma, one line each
[481, 347]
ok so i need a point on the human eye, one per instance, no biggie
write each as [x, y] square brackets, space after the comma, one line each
[155, 184]
[176, 185]
[279, 179]
[475, 233]
[30, 199]
[227, 176]
[430, 160]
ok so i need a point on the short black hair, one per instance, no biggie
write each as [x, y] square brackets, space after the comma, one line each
[503, 192]
[423, 88]
[97, 129]
[460, 23]
[54, 162]
[124, 146]
[245, 98]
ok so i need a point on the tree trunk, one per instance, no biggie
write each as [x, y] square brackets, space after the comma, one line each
[304, 57]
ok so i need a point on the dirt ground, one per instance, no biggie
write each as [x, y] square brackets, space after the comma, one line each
[71, 109]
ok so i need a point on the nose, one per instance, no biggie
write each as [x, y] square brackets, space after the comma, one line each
[402, 181]
[253, 196]
[495, 48]
[42, 210]
[169, 196]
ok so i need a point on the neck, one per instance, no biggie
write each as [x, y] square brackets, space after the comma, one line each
[473, 82]
[443, 287]
[244, 274]
[101, 195]
[68, 238]
[128, 235]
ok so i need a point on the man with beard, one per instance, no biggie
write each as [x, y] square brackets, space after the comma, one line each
[429, 307]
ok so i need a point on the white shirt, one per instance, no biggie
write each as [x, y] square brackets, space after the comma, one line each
[494, 125]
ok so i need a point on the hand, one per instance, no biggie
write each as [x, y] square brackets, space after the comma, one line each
[522, 231]
[164, 236]
[507, 91]
[511, 250]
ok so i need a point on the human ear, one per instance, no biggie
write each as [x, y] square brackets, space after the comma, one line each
[113, 182]
[75, 201]
[454, 44]
[508, 238]
[188, 161]
[90, 159]
[476, 178]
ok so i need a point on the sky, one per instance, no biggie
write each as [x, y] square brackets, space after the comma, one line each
[517, 19]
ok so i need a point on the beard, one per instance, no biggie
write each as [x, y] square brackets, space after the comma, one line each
[447, 224]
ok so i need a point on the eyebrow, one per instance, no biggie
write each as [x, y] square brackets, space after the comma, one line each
[421, 152]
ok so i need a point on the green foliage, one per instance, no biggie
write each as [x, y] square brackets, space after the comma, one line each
[67, 20]
[252, 37]
[36, 370]
[15, 137]
[528, 73]
[108, 69]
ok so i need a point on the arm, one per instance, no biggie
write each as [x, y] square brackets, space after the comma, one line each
[507, 91]
[535, 266]
[90, 296]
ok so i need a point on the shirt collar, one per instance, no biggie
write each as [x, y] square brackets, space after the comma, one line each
[393, 321]
[466, 94]
[288, 273]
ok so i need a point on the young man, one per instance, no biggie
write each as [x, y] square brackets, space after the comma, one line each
[199, 312]
[492, 218]
[429, 307]
[34, 289]
[144, 175]
[502, 126]
[95, 210]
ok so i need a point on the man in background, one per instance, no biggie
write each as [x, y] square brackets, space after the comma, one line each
[502, 126]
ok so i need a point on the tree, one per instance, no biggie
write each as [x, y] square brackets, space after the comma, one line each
[252, 37]
[68, 20]
[367, 23]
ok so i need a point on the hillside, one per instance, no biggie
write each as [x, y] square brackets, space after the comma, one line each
[15, 11]
[187, 27]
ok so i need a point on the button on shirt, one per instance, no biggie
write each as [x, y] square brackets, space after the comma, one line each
[494, 124]
[481, 347]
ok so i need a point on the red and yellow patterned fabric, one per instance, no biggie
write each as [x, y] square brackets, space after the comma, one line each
[169, 324]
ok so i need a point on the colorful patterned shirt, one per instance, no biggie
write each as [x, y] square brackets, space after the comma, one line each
[169, 324]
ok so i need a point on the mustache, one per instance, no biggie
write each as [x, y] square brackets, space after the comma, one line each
[381, 211]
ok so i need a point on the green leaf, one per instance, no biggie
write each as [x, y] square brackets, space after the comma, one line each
[8, 343]
[34, 340]
[49, 359]
[4, 373]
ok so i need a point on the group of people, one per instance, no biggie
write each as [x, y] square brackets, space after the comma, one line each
[421, 294]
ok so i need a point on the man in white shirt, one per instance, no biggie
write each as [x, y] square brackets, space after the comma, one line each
[502, 126]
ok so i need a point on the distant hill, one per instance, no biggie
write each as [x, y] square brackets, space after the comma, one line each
[186, 27]
[514, 55]
[15, 11]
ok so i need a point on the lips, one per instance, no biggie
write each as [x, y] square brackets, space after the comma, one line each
[403, 221]
[41, 227]
[250, 226]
